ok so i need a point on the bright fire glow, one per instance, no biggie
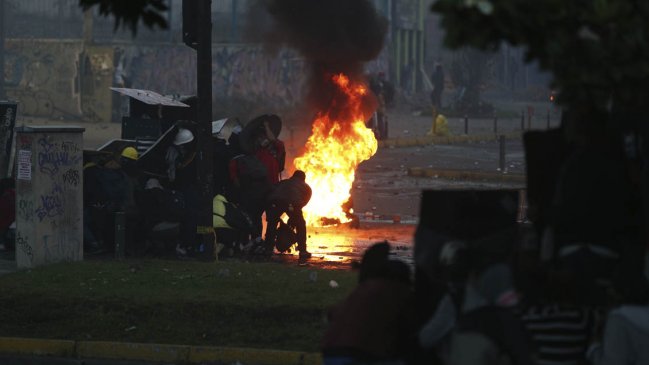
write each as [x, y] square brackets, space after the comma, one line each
[339, 142]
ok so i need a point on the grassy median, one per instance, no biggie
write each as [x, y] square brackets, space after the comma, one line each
[260, 305]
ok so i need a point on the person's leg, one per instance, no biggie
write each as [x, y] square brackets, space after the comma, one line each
[297, 220]
[273, 214]
[254, 209]
[188, 235]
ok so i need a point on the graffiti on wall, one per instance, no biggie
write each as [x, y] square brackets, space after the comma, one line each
[61, 79]
[41, 75]
[242, 72]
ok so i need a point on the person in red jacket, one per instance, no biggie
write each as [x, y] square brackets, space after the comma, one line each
[270, 150]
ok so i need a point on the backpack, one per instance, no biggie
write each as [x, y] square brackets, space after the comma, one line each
[286, 237]
[251, 169]
[237, 218]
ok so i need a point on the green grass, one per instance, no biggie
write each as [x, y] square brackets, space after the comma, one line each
[260, 305]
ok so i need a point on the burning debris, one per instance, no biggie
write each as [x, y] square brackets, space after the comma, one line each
[336, 38]
[338, 144]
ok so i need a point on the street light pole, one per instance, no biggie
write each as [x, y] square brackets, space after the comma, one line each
[204, 119]
[3, 95]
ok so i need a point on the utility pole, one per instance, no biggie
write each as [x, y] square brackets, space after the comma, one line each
[87, 27]
[234, 26]
[204, 119]
[3, 95]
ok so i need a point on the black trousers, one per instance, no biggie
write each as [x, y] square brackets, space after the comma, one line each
[254, 207]
[296, 219]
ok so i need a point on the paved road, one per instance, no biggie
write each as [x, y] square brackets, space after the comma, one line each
[383, 186]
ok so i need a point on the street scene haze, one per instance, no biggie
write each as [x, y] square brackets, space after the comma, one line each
[340, 182]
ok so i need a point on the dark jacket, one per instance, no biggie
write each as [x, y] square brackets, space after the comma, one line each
[116, 187]
[291, 191]
[92, 188]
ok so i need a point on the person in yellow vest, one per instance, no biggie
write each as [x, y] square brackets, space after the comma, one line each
[232, 225]
[440, 126]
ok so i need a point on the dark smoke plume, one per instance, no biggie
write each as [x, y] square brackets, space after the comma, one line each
[332, 35]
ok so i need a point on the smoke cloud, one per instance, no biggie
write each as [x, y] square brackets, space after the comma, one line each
[332, 35]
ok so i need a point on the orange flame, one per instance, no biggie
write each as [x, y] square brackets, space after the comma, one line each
[339, 142]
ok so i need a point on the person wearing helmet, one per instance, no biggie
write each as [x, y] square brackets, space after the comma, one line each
[182, 173]
[180, 156]
[111, 187]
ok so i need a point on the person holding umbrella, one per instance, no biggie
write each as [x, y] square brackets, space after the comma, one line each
[261, 137]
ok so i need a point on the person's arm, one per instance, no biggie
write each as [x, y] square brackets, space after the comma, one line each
[281, 154]
[269, 133]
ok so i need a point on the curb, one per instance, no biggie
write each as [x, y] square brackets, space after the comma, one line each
[466, 175]
[428, 140]
[153, 352]
[370, 217]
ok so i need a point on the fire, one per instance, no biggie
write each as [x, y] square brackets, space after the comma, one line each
[339, 142]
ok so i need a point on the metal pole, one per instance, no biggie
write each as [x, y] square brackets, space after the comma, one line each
[466, 124]
[204, 119]
[234, 25]
[523, 120]
[495, 123]
[529, 120]
[501, 159]
[3, 95]
[87, 27]
[548, 118]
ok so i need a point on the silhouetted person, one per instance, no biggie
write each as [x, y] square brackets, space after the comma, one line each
[289, 196]
[374, 323]
[438, 87]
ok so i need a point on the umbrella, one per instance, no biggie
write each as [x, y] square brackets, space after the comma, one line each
[256, 126]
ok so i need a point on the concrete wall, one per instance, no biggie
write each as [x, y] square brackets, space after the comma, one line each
[63, 79]
[49, 196]
[42, 75]
[238, 71]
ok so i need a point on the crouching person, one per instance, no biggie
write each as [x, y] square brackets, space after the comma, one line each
[289, 196]
[232, 224]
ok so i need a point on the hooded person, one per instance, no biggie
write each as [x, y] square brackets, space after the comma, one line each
[289, 196]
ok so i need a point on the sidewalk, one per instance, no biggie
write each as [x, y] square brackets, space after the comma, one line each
[151, 352]
[466, 175]
[428, 140]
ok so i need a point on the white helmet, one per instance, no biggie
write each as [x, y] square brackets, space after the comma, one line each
[183, 136]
